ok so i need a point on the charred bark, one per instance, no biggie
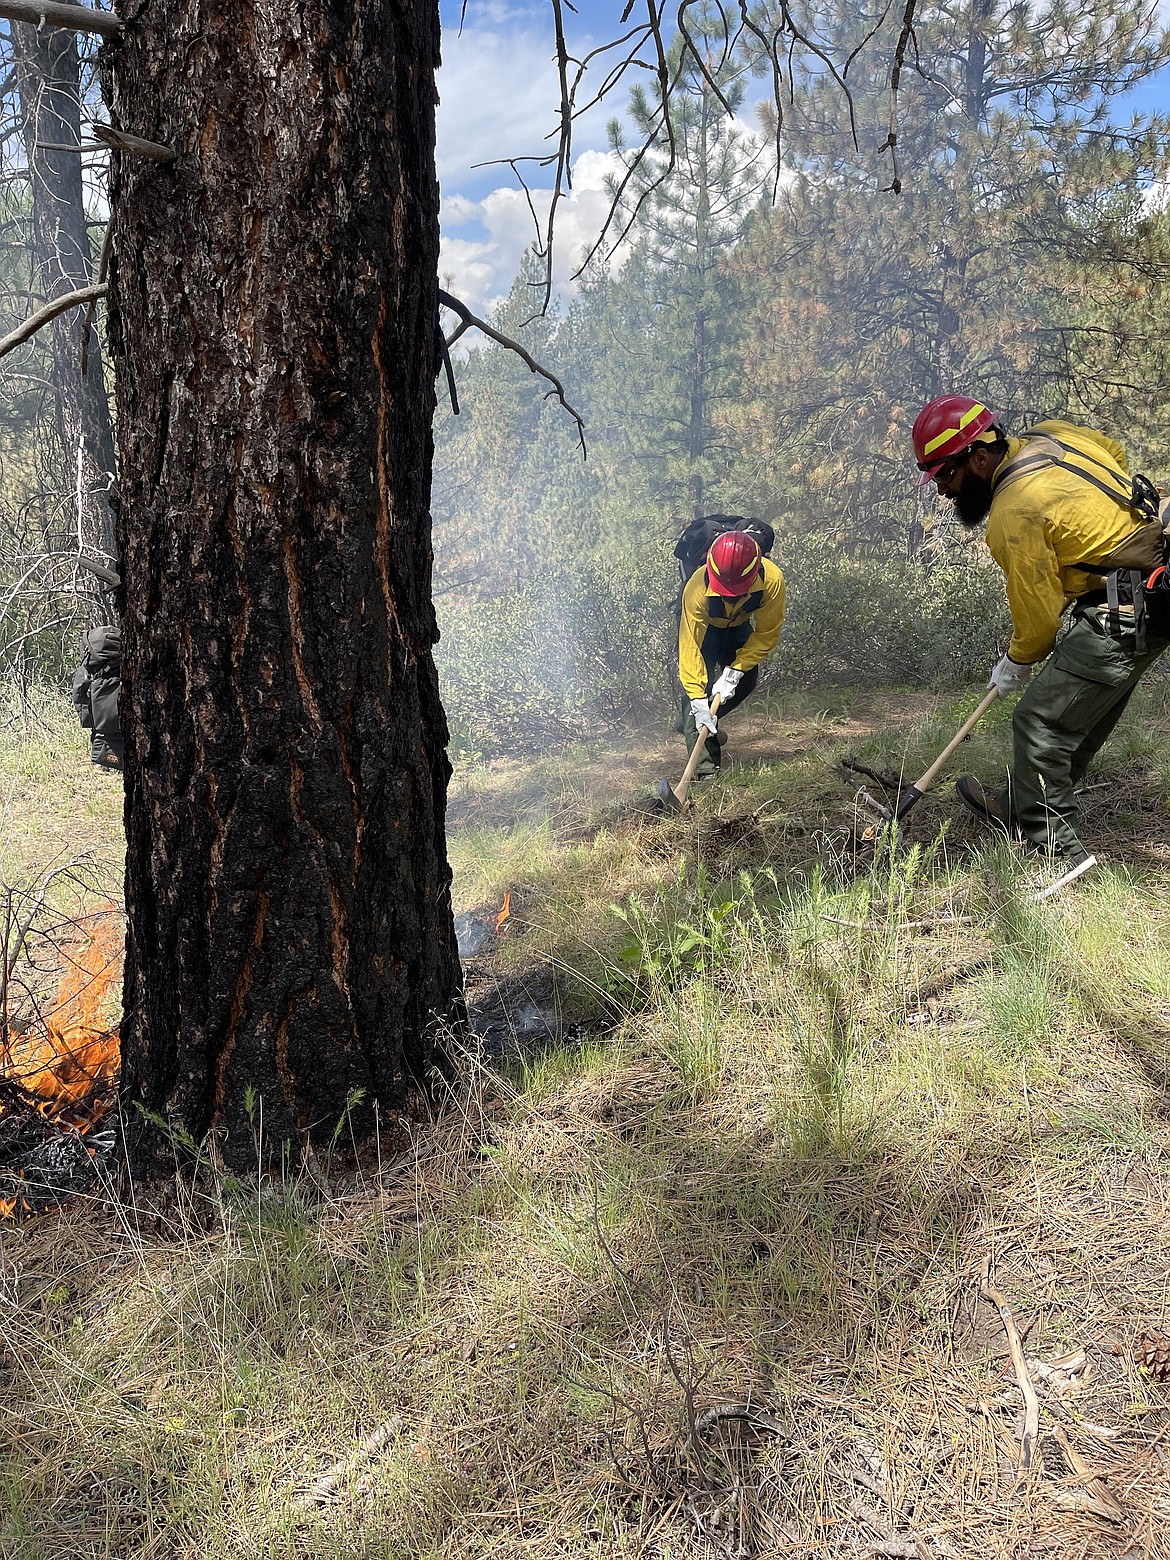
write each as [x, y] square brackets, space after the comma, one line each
[48, 73]
[273, 312]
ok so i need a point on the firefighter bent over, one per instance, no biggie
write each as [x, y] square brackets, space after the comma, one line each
[732, 613]
[1068, 526]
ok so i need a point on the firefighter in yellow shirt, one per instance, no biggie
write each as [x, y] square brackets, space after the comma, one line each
[732, 613]
[1068, 527]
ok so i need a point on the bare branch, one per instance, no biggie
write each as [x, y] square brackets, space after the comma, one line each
[514, 164]
[564, 178]
[665, 85]
[628, 61]
[778, 42]
[445, 349]
[698, 58]
[103, 272]
[891, 142]
[99, 571]
[135, 145]
[73, 18]
[18, 923]
[49, 313]
[1028, 1445]
[656, 183]
[879, 23]
[471, 321]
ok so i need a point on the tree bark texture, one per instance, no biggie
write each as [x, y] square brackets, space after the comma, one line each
[273, 318]
[48, 73]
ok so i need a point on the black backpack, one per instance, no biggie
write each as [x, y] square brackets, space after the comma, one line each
[95, 694]
[695, 540]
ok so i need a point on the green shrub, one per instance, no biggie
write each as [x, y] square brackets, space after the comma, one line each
[866, 622]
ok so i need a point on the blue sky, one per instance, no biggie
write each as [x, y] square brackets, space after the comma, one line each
[499, 96]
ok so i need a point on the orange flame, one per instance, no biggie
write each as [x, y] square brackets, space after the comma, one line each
[65, 1062]
[505, 909]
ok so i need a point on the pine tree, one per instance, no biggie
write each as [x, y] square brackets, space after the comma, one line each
[509, 482]
[290, 947]
[996, 270]
[678, 370]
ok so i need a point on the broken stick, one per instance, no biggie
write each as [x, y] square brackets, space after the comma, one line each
[1023, 1378]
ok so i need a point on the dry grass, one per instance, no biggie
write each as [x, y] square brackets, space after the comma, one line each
[54, 804]
[705, 1283]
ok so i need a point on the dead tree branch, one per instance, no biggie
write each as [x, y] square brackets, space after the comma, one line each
[49, 313]
[1023, 1377]
[22, 906]
[73, 18]
[891, 143]
[644, 48]
[700, 62]
[342, 1473]
[661, 129]
[99, 571]
[134, 145]
[469, 321]
[563, 182]
[107, 138]
[103, 272]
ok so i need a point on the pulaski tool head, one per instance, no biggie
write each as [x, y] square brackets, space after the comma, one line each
[665, 792]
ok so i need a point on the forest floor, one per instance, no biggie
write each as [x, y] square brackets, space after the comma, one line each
[763, 1151]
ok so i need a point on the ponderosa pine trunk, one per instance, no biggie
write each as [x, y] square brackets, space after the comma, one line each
[48, 74]
[272, 319]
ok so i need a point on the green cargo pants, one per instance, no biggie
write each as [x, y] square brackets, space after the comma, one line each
[1063, 718]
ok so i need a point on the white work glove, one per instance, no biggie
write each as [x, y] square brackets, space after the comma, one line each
[1008, 676]
[701, 710]
[728, 681]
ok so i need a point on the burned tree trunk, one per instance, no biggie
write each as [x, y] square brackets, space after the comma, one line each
[272, 318]
[48, 73]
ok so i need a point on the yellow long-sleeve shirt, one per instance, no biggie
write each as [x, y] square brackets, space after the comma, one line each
[1042, 524]
[703, 609]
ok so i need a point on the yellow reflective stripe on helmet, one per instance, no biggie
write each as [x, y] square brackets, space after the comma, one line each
[942, 438]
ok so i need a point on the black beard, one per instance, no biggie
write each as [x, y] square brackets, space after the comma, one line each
[973, 500]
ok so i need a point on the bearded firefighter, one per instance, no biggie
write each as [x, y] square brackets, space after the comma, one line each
[1068, 527]
[732, 613]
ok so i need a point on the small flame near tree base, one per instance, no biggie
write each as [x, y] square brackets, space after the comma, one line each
[58, 1076]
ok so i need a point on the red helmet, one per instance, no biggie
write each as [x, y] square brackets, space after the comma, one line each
[945, 428]
[733, 563]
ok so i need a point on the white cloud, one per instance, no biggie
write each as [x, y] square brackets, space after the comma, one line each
[454, 210]
[481, 268]
[498, 97]
[469, 270]
[497, 12]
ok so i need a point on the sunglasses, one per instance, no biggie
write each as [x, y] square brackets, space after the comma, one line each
[944, 473]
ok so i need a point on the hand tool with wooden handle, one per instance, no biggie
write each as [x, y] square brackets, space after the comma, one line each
[673, 797]
[913, 794]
